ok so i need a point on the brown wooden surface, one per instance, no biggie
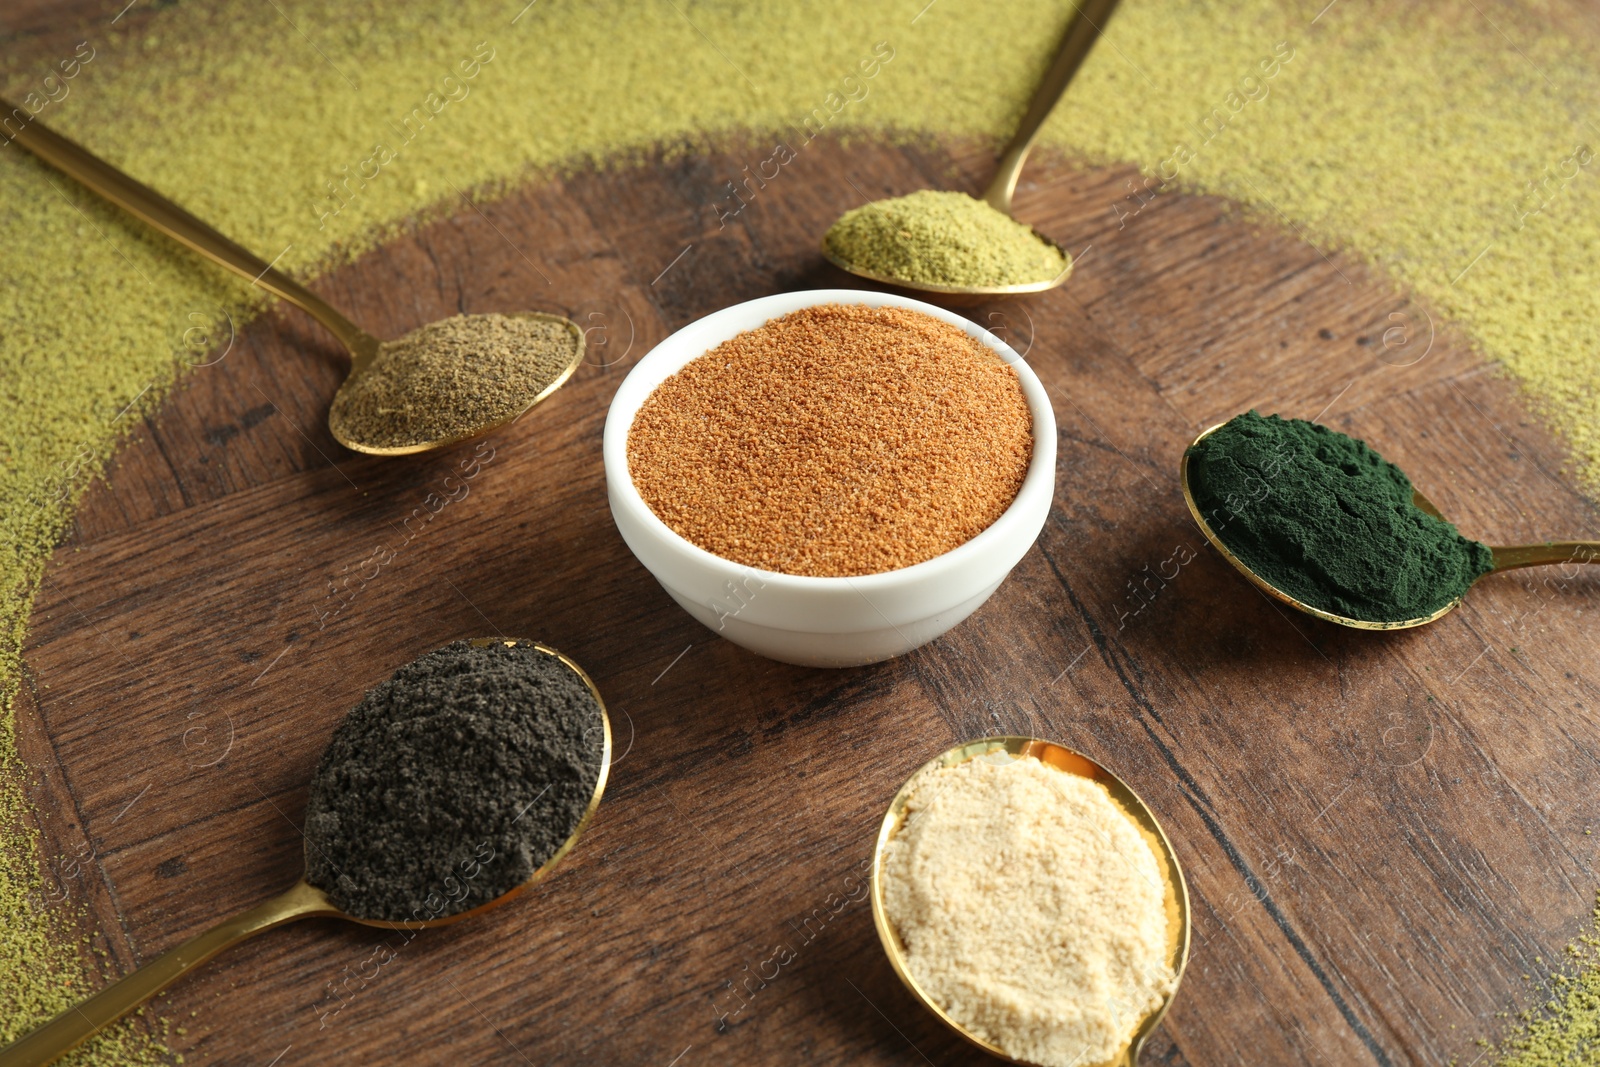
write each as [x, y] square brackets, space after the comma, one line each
[1383, 833]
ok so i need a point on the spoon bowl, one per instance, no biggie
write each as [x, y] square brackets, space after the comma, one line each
[360, 366]
[1083, 29]
[1067, 761]
[155, 210]
[1506, 557]
[955, 296]
[301, 901]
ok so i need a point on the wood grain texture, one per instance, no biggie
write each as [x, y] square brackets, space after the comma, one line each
[1383, 833]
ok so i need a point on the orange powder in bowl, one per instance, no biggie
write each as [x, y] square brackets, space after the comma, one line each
[837, 440]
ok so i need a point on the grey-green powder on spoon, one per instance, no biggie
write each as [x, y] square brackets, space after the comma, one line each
[452, 378]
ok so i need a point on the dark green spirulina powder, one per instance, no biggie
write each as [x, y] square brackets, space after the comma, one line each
[1328, 520]
[452, 782]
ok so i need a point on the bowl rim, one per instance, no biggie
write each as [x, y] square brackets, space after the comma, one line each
[1040, 476]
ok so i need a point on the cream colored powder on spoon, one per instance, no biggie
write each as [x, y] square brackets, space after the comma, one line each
[1031, 909]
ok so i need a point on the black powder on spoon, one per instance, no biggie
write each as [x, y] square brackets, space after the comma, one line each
[452, 782]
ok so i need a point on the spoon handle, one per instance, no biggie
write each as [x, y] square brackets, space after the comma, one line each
[144, 203]
[79, 1023]
[1083, 30]
[1510, 557]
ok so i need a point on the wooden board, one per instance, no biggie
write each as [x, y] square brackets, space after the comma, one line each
[1383, 833]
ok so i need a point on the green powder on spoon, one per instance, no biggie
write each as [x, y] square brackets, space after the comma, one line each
[943, 239]
[1327, 520]
[453, 378]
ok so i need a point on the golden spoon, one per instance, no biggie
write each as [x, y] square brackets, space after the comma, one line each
[302, 901]
[151, 207]
[1088, 19]
[1506, 557]
[1066, 761]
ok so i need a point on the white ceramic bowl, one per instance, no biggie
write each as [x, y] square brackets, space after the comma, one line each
[823, 622]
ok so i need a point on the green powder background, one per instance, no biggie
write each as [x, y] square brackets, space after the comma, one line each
[1410, 138]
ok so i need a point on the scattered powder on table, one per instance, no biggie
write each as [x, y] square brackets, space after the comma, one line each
[1563, 1029]
[943, 238]
[450, 378]
[452, 782]
[1328, 520]
[836, 440]
[1031, 909]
